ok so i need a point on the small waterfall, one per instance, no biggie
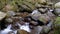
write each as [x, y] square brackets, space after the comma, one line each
[5, 31]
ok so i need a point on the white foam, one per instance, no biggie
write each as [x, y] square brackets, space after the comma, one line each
[5, 31]
[51, 10]
[25, 27]
[34, 12]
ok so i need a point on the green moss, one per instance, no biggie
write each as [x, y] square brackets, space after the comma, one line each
[57, 20]
[57, 26]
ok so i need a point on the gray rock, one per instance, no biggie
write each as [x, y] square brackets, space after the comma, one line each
[57, 11]
[10, 13]
[46, 29]
[35, 14]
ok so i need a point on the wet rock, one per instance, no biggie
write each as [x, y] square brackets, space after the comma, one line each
[22, 32]
[11, 32]
[15, 26]
[35, 14]
[22, 22]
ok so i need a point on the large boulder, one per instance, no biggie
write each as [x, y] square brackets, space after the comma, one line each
[2, 15]
[57, 5]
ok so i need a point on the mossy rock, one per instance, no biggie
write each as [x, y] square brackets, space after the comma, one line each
[57, 20]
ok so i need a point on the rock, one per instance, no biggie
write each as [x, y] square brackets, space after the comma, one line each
[2, 15]
[50, 3]
[24, 7]
[44, 18]
[35, 14]
[22, 32]
[42, 1]
[10, 13]
[57, 22]
[37, 30]
[31, 6]
[11, 32]
[57, 11]
[37, 5]
[34, 23]
[42, 10]
[23, 15]
[22, 23]
[51, 15]
[15, 27]
[9, 20]
[57, 5]
[50, 24]
[59, 14]
[46, 29]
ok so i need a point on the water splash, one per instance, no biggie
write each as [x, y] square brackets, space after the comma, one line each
[8, 29]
